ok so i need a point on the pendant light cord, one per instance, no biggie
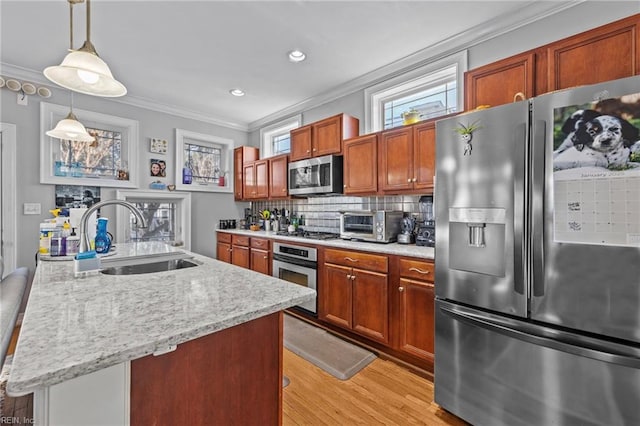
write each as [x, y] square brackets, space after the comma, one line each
[89, 21]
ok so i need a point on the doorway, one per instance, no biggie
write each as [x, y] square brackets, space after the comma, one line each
[8, 206]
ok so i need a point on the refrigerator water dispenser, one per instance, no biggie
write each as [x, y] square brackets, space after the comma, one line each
[477, 240]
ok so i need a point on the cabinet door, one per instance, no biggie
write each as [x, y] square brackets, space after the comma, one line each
[300, 143]
[223, 252]
[361, 165]
[262, 179]
[237, 174]
[370, 305]
[424, 155]
[499, 82]
[261, 261]
[395, 159]
[327, 136]
[416, 322]
[240, 256]
[278, 177]
[248, 181]
[336, 296]
[605, 53]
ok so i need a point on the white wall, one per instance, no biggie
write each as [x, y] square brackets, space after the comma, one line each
[207, 208]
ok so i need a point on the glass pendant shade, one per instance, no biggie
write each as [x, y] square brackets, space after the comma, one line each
[83, 71]
[69, 128]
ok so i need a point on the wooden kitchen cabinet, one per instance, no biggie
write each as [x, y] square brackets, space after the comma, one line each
[260, 255]
[499, 82]
[605, 53]
[415, 295]
[406, 158]
[278, 176]
[323, 137]
[240, 251]
[242, 155]
[360, 170]
[256, 180]
[300, 143]
[354, 293]
[223, 247]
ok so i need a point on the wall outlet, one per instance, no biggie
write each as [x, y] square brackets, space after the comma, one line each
[31, 208]
[23, 99]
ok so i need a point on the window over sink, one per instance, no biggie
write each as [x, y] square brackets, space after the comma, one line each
[110, 160]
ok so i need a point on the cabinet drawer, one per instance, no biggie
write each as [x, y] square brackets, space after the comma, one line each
[260, 243]
[416, 269]
[240, 240]
[223, 237]
[366, 261]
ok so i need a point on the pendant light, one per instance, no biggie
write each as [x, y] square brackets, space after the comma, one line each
[69, 128]
[83, 71]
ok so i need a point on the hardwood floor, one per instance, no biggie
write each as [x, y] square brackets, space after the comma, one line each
[383, 393]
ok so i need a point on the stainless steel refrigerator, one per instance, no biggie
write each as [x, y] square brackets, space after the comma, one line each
[538, 260]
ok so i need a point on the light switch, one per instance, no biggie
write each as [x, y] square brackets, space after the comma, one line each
[32, 208]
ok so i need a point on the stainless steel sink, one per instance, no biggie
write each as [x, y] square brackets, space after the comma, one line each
[146, 268]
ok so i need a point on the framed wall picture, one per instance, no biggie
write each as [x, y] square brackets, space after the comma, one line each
[159, 146]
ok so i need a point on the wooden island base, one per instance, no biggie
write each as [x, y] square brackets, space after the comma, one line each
[230, 377]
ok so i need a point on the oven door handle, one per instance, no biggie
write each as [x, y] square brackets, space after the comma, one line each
[294, 261]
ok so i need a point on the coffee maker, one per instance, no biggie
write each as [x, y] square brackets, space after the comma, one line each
[426, 225]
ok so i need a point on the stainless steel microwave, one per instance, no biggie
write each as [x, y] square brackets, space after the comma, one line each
[375, 226]
[316, 176]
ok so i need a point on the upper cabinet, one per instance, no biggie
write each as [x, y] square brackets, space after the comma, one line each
[241, 155]
[323, 137]
[256, 180]
[406, 158]
[500, 82]
[360, 174]
[278, 172]
[605, 53]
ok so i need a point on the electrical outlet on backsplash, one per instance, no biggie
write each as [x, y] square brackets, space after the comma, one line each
[322, 214]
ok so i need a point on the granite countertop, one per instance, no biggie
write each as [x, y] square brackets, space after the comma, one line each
[75, 326]
[410, 250]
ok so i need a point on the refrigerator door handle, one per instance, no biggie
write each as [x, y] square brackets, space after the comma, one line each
[519, 209]
[605, 351]
[539, 150]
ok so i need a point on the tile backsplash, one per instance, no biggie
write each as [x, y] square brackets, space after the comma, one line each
[322, 214]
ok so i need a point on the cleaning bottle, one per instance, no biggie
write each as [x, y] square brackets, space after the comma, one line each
[66, 233]
[103, 242]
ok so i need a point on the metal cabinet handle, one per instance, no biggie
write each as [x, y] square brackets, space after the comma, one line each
[409, 180]
[348, 276]
[344, 185]
[314, 150]
[414, 179]
[266, 257]
[400, 289]
[308, 151]
[350, 259]
[420, 271]
[284, 189]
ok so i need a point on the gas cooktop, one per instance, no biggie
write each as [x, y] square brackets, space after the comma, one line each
[310, 235]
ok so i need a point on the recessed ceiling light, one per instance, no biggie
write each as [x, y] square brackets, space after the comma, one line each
[237, 92]
[297, 56]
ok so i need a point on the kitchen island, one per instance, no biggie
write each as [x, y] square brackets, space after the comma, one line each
[199, 345]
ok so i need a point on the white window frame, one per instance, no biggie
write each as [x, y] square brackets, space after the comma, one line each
[50, 114]
[267, 133]
[403, 84]
[183, 212]
[226, 160]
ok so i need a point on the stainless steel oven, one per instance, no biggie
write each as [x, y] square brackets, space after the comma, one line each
[298, 265]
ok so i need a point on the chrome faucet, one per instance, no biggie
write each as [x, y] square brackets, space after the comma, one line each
[85, 244]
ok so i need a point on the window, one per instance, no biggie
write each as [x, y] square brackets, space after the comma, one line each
[168, 217]
[433, 90]
[275, 139]
[205, 159]
[110, 160]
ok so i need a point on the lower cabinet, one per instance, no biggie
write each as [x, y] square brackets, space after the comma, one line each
[415, 293]
[354, 293]
[260, 254]
[233, 249]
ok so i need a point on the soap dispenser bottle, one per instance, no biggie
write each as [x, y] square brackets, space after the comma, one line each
[103, 242]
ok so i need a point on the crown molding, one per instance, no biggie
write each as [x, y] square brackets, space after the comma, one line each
[148, 104]
[461, 41]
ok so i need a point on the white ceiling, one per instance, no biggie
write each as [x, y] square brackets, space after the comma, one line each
[187, 55]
